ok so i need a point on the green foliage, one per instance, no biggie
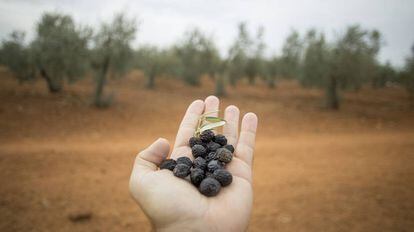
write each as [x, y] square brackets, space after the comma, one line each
[291, 56]
[238, 54]
[318, 67]
[220, 86]
[212, 65]
[315, 67]
[154, 63]
[346, 64]
[246, 56]
[355, 57]
[60, 49]
[112, 53]
[271, 71]
[17, 57]
[113, 40]
[188, 52]
[256, 64]
[407, 77]
[384, 74]
[211, 62]
[63, 51]
[198, 55]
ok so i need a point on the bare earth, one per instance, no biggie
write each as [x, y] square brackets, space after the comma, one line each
[315, 170]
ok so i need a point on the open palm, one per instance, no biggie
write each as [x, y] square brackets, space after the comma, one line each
[174, 204]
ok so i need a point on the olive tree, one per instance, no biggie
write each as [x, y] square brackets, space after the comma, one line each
[291, 56]
[256, 64]
[60, 50]
[238, 54]
[197, 55]
[112, 53]
[407, 77]
[155, 62]
[315, 67]
[385, 73]
[344, 64]
[148, 59]
[213, 65]
[188, 53]
[17, 56]
[356, 53]
[272, 70]
[318, 69]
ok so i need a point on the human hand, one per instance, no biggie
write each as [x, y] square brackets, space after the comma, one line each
[174, 204]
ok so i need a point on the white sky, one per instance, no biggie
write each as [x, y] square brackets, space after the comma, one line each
[163, 22]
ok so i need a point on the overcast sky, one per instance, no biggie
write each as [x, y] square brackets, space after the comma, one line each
[164, 21]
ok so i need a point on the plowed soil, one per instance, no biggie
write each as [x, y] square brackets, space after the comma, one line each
[315, 169]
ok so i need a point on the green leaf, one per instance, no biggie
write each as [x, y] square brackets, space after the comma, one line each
[212, 126]
[214, 119]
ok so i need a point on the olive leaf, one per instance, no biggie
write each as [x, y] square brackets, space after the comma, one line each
[210, 112]
[208, 122]
[213, 119]
[212, 126]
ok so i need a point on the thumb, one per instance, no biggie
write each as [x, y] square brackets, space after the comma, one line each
[149, 159]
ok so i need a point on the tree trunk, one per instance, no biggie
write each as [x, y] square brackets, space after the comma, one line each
[220, 88]
[332, 99]
[233, 80]
[100, 84]
[54, 86]
[151, 79]
[379, 82]
[251, 79]
[271, 82]
[191, 78]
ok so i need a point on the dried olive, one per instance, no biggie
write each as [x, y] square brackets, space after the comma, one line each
[223, 176]
[199, 162]
[185, 160]
[181, 170]
[214, 165]
[194, 140]
[168, 164]
[198, 150]
[220, 139]
[206, 136]
[212, 146]
[196, 176]
[209, 187]
[224, 155]
[229, 147]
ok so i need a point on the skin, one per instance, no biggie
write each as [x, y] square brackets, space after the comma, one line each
[173, 204]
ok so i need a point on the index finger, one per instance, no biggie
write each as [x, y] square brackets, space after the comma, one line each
[188, 124]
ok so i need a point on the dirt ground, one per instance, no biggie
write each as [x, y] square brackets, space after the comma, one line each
[315, 170]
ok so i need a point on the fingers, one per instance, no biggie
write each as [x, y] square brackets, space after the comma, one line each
[211, 105]
[231, 128]
[181, 151]
[245, 146]
[189, 123]
[241, 165]
[239, 168]
[149, 159]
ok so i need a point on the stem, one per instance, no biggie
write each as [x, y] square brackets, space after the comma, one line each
[197, 132]
[202, 122]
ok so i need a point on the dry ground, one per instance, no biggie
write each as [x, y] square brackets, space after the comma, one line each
[315, 170]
